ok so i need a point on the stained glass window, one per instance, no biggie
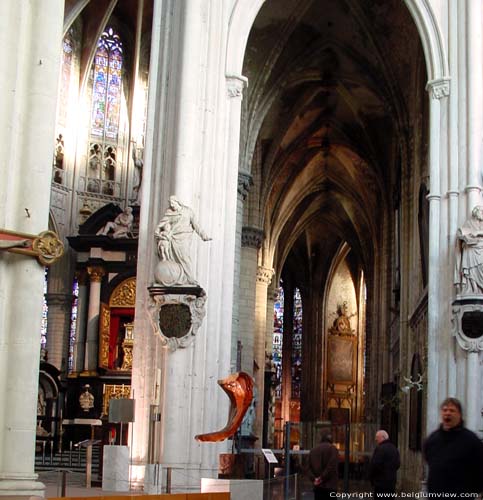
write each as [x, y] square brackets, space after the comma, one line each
[278, 342]
[73, 322]
[107, 83]
[297, 345]
[45, 310]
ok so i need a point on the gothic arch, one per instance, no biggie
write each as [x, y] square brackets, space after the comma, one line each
[245, 12]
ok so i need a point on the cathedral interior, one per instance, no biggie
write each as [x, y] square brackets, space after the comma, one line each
[331, 264]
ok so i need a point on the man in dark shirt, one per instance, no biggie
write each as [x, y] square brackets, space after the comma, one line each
[323, 462]
[454, 455]
[384, 465]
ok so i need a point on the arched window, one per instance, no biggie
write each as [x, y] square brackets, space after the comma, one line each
[423, 223]
[277, 342]
[297, 345]
[105, 115]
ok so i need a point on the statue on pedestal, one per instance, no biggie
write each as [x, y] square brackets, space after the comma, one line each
[469, 255]
[121, 226]
[173, 236]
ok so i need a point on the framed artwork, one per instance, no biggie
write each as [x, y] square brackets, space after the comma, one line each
[341, 361]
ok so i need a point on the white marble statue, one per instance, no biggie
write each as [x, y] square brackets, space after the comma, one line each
[121, 226]
[469, 254]
[173, 237]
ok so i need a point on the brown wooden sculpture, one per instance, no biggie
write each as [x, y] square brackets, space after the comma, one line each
[239, 387]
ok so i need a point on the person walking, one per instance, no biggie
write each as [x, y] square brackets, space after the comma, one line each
[384, 465]
[454, 455]
[323, 463]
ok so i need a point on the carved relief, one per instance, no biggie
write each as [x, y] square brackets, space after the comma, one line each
[86, 399]
[176, 318]
[113, 391]
[124, 295]
[104, 334]
[264, 275]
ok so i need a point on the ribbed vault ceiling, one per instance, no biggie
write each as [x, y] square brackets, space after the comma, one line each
[330, 82]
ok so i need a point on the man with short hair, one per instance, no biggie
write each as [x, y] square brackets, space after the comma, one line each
[454, 455]
[384, 465]
[323, 463]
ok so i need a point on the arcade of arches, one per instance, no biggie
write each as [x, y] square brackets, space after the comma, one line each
[320, 147]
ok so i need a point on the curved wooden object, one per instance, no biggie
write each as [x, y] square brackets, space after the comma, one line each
[239, 387]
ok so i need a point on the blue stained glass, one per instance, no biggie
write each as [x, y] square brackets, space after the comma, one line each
[73, 322]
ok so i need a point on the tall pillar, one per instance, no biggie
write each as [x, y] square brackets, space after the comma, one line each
[28, 95]
[251, 241]
[92, 339]
[264, 278]
[437, 89]
[58, 328]
[244, 183]
[80, 327]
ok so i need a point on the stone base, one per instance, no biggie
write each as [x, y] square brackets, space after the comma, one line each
[153, 479]
[239, 489]
[115, 468]
[21, 489]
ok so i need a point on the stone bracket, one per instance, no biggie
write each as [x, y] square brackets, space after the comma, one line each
[184, 310]
[461, 306]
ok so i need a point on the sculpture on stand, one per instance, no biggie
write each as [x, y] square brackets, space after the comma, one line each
[177, 305]
[467, 321]
[469, 254]
[239, 387]
[121, 226]
[173, 235]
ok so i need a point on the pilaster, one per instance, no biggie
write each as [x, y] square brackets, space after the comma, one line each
[92, 338]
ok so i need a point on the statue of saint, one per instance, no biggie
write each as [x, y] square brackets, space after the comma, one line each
[121, 226]
[469, 254]
[173, 236]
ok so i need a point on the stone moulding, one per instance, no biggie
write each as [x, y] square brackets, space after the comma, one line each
[176, 314]
[461, 306]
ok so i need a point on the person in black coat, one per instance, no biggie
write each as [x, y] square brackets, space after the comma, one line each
[384, 465]
[454, 455]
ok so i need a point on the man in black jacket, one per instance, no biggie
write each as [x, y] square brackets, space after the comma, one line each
[323, 463]
[384, 465]
[454, 455]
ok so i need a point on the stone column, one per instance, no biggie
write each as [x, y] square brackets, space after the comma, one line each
[80, 328]
[474, 12]
[251, 241]
[244, 183]
[28, 95]
[92, 339]
[264, 278]
[437, 89]
[58, 328]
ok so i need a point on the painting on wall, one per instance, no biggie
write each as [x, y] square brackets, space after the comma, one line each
[342, 353]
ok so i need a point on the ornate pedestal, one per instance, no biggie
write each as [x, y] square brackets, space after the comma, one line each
[467, 322]
[176, 313]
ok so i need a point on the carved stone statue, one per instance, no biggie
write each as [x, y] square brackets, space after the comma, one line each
[173, 236]
[469, 254]
[138, 164]
[121, 226]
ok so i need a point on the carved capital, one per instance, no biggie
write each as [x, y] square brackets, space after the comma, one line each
[235, 85]
[62, 300]
[95, 273]
[245, 182]
[81, 277]
[439, 88]
[264, 275]
[252, 237]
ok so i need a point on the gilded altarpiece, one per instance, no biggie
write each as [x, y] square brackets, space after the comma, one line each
[341, 368]
[115, 329]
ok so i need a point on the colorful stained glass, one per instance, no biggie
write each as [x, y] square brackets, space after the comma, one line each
[45, 310]
[297, 345]
[277, 342]
[107, 83]
[73, 322]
